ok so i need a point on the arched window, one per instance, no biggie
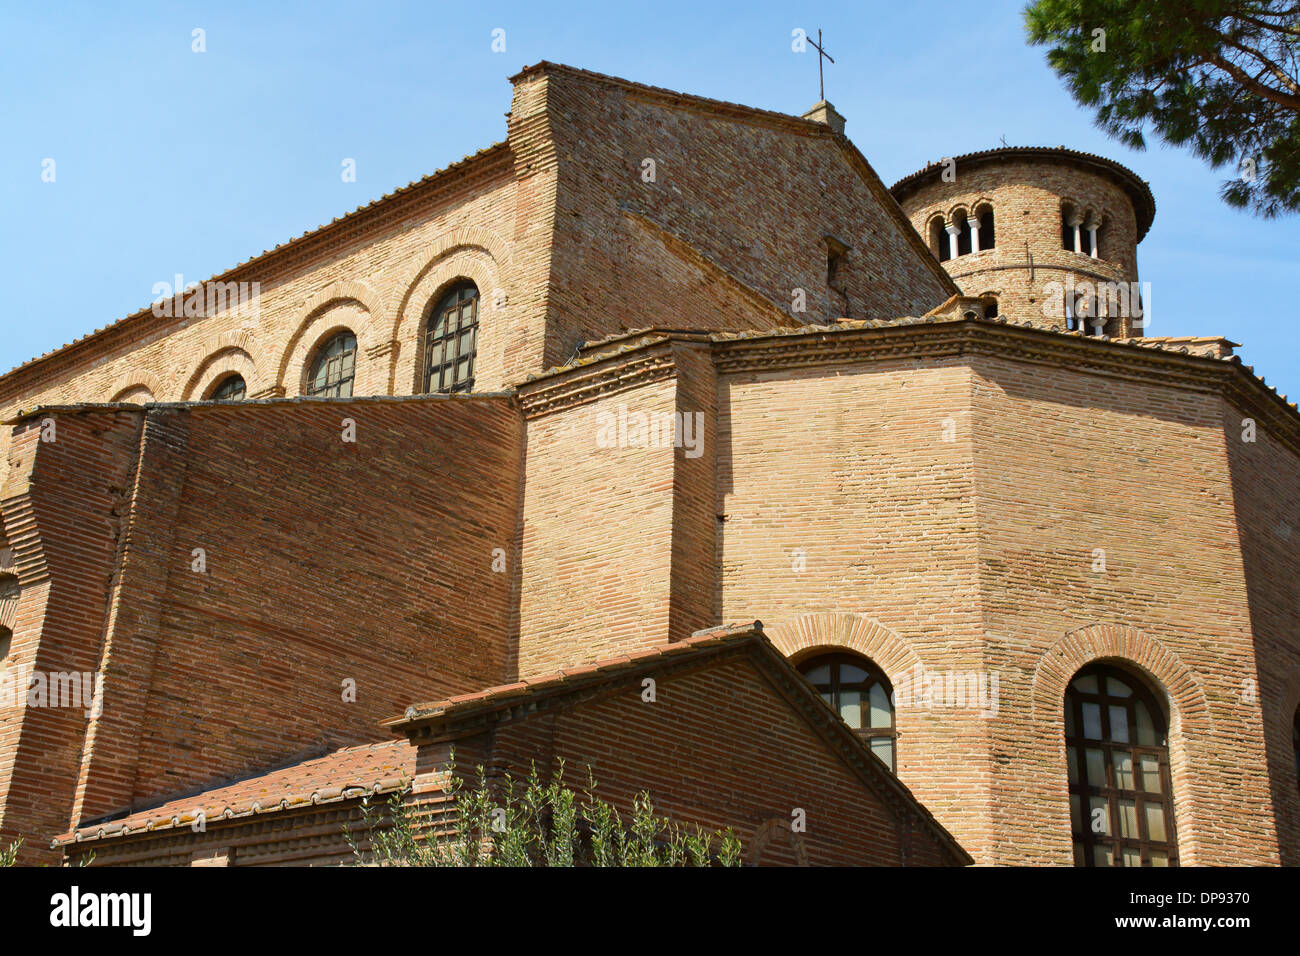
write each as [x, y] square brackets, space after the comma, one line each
[987, 239]
[963, 237]
[1117, 757]
[6, 644]
[334, 367]
[137, 394]
[939, 239]
[231, 389]
[860, 693]
[1069, 231]
[451, 341]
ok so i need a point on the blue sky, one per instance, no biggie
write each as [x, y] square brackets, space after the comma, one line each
[169, 161]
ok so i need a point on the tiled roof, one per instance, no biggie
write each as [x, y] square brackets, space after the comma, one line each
[1144, 203]
[343, 775]
[234, 272]
[491, 698]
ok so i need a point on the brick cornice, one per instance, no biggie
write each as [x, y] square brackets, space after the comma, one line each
[648, 358]
[566, 388]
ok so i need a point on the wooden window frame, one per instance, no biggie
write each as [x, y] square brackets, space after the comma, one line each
[332, 387]
[224, 383]
[437, 358]
[1085, 789]
[836, 659]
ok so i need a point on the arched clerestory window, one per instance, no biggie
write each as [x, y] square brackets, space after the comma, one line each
[334, 367]
[451, 340]
[1117, 755]
[232, 388]
[860, 693]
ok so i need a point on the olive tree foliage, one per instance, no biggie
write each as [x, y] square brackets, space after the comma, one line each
[532, 823]
[1221, 77]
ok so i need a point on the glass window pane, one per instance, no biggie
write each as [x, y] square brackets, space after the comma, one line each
[1102, 855]
[1155, 814]
[1069, 718]
[1099, 816]
[1128, 819]
[1092, 721]
[882, 717]
[821, 674]
[1087, 684]
[851, 707]
[1076, 814]
[1072, 763]
[883, 747]
[852, 675]
[1132, 857]
[1159, 858]
[345, 389]
[1117, 688]
[1122, 763]
[1150, 773]
[1096, 767]
[1146, 731]
[1118, 716]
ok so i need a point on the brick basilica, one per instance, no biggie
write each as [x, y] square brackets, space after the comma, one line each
[917, 531]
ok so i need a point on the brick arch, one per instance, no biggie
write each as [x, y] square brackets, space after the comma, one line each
[839, 630]
[777, 828]
[136, 378]
[319, 321]
[1189, 710]
[1191, 727]
[448, 265]
[961, 209]
[217, 366]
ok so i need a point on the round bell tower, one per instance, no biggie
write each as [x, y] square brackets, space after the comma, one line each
[1049, 232]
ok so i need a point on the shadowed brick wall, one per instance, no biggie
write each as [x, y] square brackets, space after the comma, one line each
[1266, 495]
[720, 747]
[325, 560]
[64, 504]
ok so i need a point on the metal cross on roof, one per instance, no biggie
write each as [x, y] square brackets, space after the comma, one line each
[821, 85]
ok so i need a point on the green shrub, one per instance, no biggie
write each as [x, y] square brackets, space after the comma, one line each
[528, 823]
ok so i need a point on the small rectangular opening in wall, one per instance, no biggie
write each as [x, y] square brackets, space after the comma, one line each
[835, 252]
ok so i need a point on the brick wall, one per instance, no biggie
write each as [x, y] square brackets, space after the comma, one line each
[752, 194]
[1266, 497]
[64, 502]
[326, 561]
[1067, 463]
[840, 496]
[696, 750]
